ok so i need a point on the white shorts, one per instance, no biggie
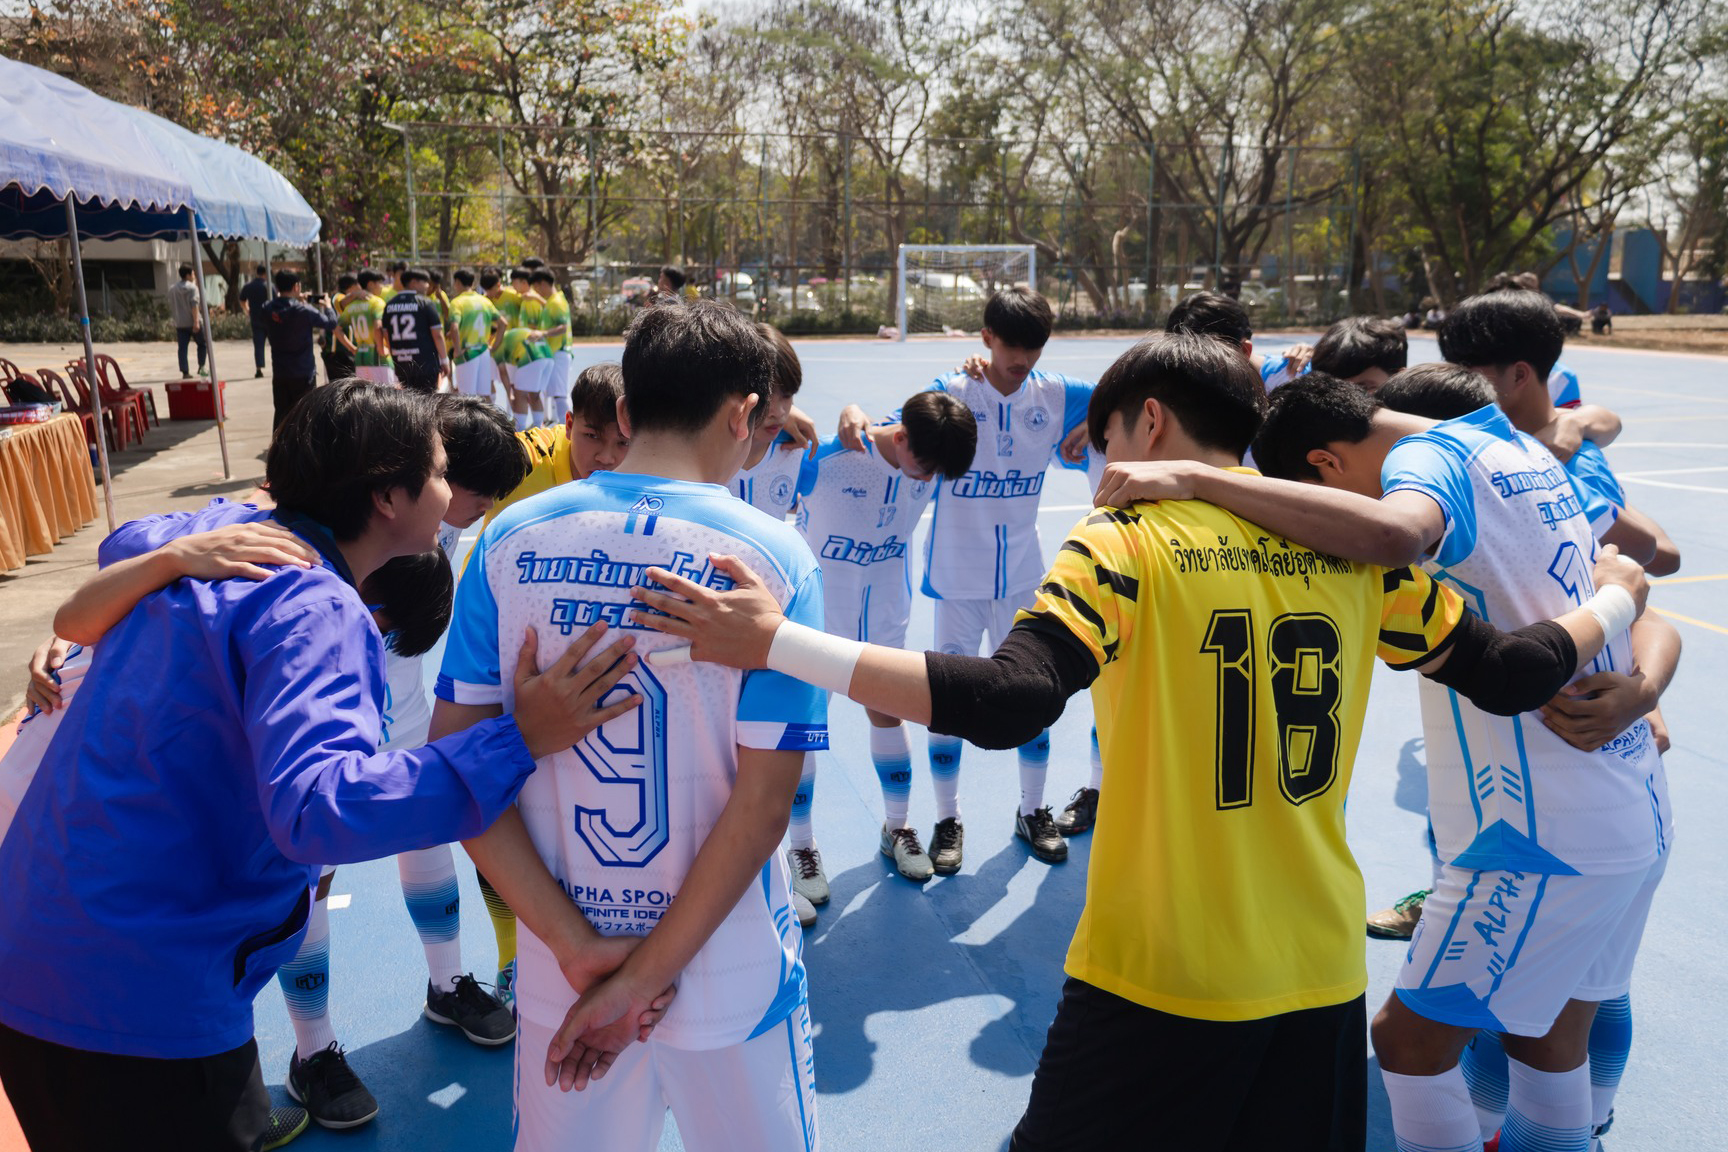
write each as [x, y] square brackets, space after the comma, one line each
[962, 624]
[533, 376]
[564, 376]
[1506, 950]
[874, 614]
[758, 1096]
[474, 377]
[376, 373]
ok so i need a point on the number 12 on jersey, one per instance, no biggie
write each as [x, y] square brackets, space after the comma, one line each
[1302, 656]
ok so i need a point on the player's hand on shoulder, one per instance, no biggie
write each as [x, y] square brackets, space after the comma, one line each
[735, 627]
[1128, 483]
[1563, 435]
[1592, 711]
[1613, 568]
[557, 707]
[801, 430]
[239, 550]
[973, 366]
[43, 691]
[1073, 446]
[1297, 357]
[853, 421]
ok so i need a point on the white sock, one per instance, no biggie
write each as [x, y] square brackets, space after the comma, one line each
[522, 420]
[892, 755]
[1096, 781]
[945, 775]
[1432, 1113]
[1034, 768]
[305, 982]
[1547, 1111]
[557, 406]
[435, 906]
[802, 833]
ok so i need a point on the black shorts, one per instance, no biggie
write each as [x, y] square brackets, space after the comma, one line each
[1118, 1075]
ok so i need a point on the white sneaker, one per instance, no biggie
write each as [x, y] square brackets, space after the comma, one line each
[808, 879]
[806, 911]
[901, 846]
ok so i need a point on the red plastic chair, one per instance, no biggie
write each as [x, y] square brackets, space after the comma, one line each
[9, 371]
[128, 409]
[57, 386]
[114, 380]
[117, 423]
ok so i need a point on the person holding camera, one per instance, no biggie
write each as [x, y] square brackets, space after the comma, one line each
[288, 322]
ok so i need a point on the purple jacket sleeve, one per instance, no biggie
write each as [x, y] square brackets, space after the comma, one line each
[313, 683]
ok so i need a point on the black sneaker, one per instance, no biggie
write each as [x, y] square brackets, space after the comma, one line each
[1080, 815]
[945, 844]
[474, 1010]
[1039, 830]
[286, 1122]
[328, 1088]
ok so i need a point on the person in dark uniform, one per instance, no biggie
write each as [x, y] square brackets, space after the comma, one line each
[288, 323]
[413, 333]
[254, 294]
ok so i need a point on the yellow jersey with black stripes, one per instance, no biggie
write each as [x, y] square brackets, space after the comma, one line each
[1234, 672]
[549, 466]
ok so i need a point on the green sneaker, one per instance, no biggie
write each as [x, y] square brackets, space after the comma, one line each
[1398, 921]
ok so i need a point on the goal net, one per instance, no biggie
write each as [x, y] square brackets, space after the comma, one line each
[942, 287]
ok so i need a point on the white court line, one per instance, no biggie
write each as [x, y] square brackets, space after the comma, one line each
[1671, 443]
[1671, 484]
[337, 903]
[1643, 472]
[1638, 391]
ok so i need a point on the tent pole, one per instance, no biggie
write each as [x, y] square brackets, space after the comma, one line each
[210, 343]
[318, 263]
[90, 376]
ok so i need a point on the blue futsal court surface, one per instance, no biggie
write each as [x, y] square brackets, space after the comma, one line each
[930, 1003]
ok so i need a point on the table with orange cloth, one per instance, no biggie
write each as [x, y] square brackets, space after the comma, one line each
[46, 489]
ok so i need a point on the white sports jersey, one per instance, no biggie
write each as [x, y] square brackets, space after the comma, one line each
[773, 483]
[619, 818]
[1563, 387]
[18, 766]
[983, 543]
[1504, 792]
[857, 513]
[407, 710]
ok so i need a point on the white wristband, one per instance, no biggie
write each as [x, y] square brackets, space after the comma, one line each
[1614, 610]
[814, 657]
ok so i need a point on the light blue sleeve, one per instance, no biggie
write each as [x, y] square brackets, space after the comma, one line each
[472, 672]
[810, 471]
[776, 712]
[1076, 398]
[1425, 464]
[1271, 366]
[1598, 490]
[1563, 387]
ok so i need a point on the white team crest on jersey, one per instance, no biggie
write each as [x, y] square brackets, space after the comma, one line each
[781, 490]
[1037, 418]
[919, 487]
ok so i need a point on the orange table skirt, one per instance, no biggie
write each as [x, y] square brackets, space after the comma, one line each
[46, 489]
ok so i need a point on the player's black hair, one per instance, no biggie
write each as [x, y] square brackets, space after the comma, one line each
[594, 396]
[1211, 314]
[674, 276]
[1437, 391]
[369, 276]
[1019, 317]
[480, 440]
[1211, 390]
[1358, 343]
[435, 277]
[413, 594]
[941, 432]
[518, 274]
[488, 280]
[683, 360]
[286, 278]
[788, 372]
[398, 266]
[412, 274]
[185, 271]
[1502, 328]
[1311, 412]
[261, 270]
[533, 262]
[343, 443]
[542, 276]
[346, 281]
[464, 277]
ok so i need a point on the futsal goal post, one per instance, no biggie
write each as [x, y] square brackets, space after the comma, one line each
[943, 287]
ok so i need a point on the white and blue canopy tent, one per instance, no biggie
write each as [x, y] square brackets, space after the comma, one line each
[75, 164]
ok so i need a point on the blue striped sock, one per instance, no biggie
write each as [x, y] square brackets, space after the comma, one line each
[892, 755]
[1610, 1045]
[1096, 782]
[945, 775]
[1549, 1111]
[1034, 767]
[435, 906]
[305, 984]
[800, 830]
[1484, 1064]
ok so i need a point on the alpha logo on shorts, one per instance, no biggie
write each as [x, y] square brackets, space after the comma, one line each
[1036, 419]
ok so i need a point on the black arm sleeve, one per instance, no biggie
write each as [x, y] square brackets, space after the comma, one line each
[1508, 672]
[1002, 701]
